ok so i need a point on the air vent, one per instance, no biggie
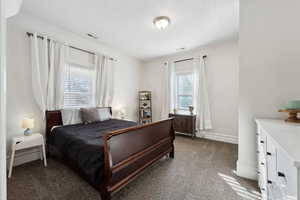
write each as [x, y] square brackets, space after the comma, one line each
[180, 49]
[91, 35]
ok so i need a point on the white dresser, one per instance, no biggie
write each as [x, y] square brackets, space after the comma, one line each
[278, 153]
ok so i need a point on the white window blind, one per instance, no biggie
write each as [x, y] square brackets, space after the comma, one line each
[79, 86]
[184, 90]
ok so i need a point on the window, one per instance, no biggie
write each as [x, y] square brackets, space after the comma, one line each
[79, 84]
[184, 90]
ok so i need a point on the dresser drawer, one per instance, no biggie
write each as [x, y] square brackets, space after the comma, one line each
[271, 158]
[286, 174]
[262, 143]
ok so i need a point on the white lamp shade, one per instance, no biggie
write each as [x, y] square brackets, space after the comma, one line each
[123, 111]
[28, 123]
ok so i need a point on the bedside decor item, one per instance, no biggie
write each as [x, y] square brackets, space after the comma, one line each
[121, 112]
[25, 142]
[175, 110]
[27, 124]
[145, 107]
[293, 115]
[191, 109]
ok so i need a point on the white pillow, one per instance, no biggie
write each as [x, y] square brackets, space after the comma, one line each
[104, 114]
[71, 116]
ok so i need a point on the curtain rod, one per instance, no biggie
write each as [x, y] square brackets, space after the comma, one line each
[177, 61]
[86, 51]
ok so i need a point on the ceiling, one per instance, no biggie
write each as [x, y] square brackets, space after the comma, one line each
[127, 25]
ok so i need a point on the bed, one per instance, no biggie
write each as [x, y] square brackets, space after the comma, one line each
[109, 154]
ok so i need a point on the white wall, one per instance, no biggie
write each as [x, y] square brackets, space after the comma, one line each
[222, 72]
[19, 96]
[269, 68]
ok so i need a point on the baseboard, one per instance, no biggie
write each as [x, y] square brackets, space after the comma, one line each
[24, 157]
[218, 137]
[246, 170]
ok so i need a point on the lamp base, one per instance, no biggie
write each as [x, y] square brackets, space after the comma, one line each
[27, 132]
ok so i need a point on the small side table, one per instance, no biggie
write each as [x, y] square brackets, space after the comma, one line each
[24, 142]
[184, 123]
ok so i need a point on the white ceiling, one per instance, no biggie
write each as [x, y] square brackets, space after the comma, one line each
[127, 25]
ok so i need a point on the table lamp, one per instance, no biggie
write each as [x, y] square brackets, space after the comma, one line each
[27, 124]
[122, 113]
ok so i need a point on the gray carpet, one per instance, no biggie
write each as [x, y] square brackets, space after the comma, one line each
[202, 170]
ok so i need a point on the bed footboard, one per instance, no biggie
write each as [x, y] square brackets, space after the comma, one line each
[128, 152]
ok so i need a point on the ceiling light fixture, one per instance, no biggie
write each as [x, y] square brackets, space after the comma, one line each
[161, 22]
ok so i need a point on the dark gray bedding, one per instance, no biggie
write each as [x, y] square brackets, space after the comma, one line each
[82, 144]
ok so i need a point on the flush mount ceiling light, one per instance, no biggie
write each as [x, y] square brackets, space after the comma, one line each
[161, 22]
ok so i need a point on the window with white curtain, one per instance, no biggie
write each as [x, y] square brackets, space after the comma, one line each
[79, 86]
[184, 85]
[184, 90]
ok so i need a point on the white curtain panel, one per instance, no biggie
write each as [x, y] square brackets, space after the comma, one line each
[57, 67]
[104, 80]
[47, 60]
[39, 62]
[201, 99]
[168, 90]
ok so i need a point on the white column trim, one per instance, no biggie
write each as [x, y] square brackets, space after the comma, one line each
[3, 186]
[246, 170]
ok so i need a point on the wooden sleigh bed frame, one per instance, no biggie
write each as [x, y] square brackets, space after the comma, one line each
[127, 152]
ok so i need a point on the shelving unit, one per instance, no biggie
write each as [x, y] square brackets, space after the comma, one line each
[145, 107]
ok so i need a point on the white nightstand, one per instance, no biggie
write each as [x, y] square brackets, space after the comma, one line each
[24, 142]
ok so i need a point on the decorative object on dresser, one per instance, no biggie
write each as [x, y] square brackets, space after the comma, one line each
[28, 124]
[145, 107]
[292, 115]
[25, 142]
[278, 155]
[191, 109]
[184, 123]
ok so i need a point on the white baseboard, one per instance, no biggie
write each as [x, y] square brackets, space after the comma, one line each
[24, 157]
[245, 170]
[218, 137]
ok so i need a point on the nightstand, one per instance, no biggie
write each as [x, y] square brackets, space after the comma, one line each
[184, 123]
[24, 142]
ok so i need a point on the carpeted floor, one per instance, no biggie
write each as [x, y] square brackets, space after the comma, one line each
[202, 170]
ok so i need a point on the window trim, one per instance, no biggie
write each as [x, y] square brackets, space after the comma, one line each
[177, 95]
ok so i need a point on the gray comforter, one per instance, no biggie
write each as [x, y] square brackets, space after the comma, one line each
[82, 144]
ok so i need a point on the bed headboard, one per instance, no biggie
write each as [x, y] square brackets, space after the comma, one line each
[53, 118]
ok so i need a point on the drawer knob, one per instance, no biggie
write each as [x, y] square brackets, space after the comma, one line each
[269, 182]
[262, 142]
[280, 174]
[262, 163]
[269, 154]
